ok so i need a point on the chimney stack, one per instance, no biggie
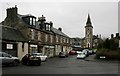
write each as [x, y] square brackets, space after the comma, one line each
[12, 13]
[41, 19]
[51, 24]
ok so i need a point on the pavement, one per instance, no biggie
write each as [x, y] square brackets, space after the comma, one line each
[92, 58]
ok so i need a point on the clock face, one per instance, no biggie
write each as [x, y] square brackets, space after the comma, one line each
[89, 32]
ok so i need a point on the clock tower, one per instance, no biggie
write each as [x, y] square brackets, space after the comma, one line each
[88, 33]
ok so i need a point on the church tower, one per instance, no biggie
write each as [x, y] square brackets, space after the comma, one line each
[88, 33]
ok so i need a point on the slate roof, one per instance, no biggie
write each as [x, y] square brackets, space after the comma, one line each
[22, 21]
[95, 37]
[9, 33]
[88, 20]
[56, 31]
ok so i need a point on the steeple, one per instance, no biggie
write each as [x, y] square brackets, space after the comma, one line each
[88, 23]
[88, 19]
[88, 33]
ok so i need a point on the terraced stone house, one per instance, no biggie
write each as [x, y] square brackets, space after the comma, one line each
[34, 35]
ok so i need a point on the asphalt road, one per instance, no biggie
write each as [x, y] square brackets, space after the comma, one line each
[69, 65]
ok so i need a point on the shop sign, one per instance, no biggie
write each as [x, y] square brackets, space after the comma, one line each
[51, 46]
[33, 45]
[47, 46]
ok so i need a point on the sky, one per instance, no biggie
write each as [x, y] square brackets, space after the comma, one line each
[71, 16]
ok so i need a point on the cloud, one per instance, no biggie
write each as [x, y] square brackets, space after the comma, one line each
[72, 16]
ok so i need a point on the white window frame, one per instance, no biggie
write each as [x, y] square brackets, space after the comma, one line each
[57, 39]
[34, 21]
[46, 38]
[39, 36]
[9, 46]
[33, 34]
[67, 40]
[47, 27]
[61, 39]
[31, 21]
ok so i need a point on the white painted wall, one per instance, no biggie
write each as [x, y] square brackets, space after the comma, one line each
[43, 50]
[57, 49]
[19, 50]
[51, 52]
[64, 48]
[21, 53]
[25, 49]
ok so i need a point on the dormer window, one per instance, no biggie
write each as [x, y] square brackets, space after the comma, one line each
[30, 21]
[34, 21]
[47, 27]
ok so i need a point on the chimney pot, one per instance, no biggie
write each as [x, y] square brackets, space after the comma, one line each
[112, 36]
[60, 29]
[117, 35]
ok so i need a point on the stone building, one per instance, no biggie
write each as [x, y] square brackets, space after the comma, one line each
[76, 43]
[13, 42]
[88, 33]
[90, 40]
[40, 36]
[62, 41]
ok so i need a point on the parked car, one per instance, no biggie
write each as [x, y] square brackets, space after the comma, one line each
[66, 54]
[81, 55]
[86, 52]
[7, 59]
[62, 54]
[72, 52]
[31, 59]
[90, 52]
[43, 57]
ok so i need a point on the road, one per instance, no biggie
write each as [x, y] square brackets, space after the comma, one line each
[69, 65]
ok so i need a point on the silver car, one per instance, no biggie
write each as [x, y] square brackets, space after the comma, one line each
[7, 59]
[43, 57]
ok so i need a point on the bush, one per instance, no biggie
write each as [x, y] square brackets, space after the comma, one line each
[110, 55]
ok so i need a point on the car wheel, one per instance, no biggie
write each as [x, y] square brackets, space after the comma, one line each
[39, 64]
[29, 63]
[15, 62]
[46, 59]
